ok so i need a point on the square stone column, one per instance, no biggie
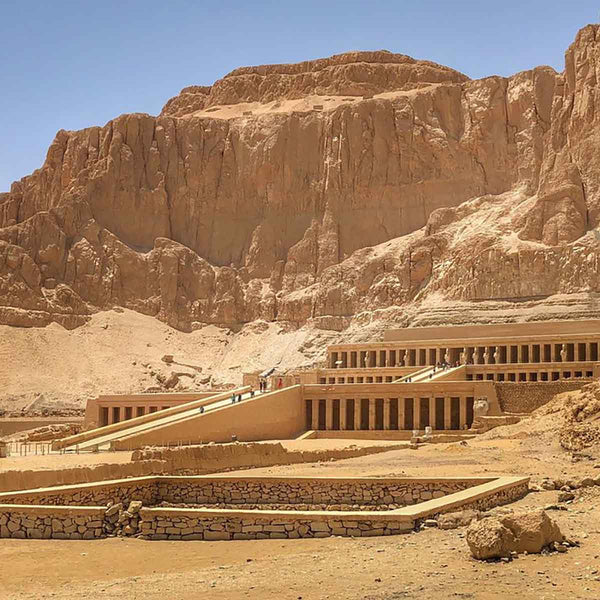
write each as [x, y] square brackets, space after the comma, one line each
[328, 414]
[432, 412]
[463, 412]
[588, 351]
[519, 353]
[371, 413]
[111, 414]
[357, 411]
[530, 351]
[386, 414]
[315, 415]
[417, 413]
[342, 414]
[400, 413]
[447, 413]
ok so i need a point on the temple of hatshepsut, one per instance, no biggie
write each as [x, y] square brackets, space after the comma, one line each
[444, 380]
[417, 386]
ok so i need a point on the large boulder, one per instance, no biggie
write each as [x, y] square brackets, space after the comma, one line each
[532, 531]
[489, 538]
[526, 532]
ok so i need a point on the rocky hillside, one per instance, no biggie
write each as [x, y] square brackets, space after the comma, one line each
[328, 192]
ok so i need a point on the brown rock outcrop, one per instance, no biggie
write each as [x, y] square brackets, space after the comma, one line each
[438, 189]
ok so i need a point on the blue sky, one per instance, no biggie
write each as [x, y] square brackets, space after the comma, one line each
[72, 64]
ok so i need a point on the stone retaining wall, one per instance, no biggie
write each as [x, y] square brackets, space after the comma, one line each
[159, 524]
[118, 507]
[344, 493]
[98, 494]
[499, 498]
[525, 397]
[57, 523]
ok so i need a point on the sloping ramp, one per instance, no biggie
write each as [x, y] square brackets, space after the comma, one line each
[276, 415]
[104, 435]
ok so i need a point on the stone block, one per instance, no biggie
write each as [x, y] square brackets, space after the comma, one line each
[217, 535]
[13, 526]
[372, 532]
[34, 534]
[319, 526]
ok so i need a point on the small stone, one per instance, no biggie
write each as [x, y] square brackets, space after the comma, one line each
[566, 496]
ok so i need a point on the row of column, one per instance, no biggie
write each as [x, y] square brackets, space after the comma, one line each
[115, 414]
[324, 420]
[492, 354]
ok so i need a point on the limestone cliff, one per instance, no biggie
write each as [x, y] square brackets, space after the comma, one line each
[325, 190]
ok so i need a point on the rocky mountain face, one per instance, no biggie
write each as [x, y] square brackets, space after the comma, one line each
[365, 183]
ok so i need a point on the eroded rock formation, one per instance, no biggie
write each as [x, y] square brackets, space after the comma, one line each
[246, 200]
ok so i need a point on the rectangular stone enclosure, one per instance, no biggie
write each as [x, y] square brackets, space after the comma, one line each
[236, 508]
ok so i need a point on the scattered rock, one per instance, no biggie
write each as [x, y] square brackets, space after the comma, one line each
[566, 496]
[458, 519]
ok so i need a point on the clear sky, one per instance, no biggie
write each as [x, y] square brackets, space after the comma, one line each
[69, 64]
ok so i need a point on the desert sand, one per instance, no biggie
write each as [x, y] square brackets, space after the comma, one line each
[336, 568]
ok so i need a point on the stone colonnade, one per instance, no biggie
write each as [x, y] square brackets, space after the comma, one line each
[497, 354]
[389, 414]
[115, 414]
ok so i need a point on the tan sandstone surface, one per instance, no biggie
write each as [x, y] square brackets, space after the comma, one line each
[411, 195]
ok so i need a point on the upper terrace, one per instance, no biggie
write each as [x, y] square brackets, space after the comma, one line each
[544, 351]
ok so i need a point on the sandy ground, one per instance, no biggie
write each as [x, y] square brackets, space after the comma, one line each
[121, 352]
[62, 461]
[425, 565]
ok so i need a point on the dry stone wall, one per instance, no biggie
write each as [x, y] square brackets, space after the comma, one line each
[103, 494]
[45, 523]
[163, 525]
[119, 508]
[499, 498]
[332, 493]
